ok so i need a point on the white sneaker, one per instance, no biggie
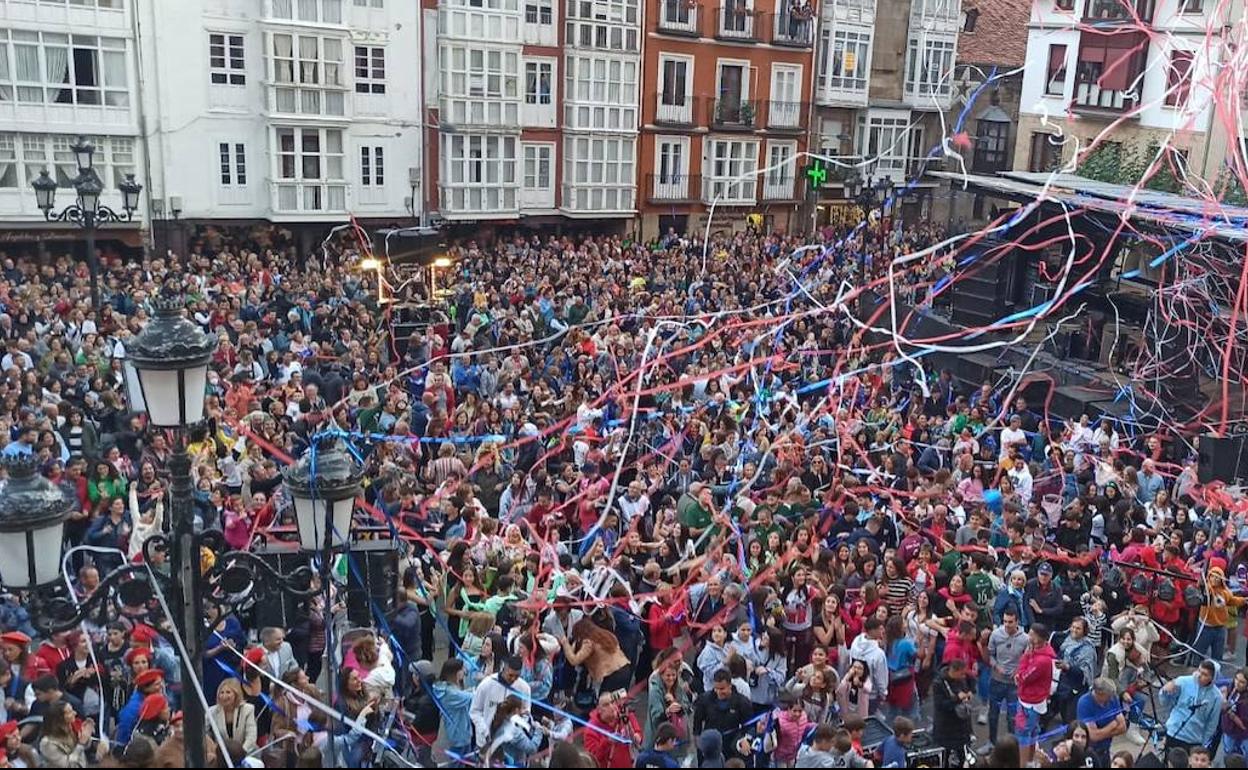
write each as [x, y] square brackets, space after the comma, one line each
[1134, 735]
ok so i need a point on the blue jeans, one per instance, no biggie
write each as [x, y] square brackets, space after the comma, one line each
[1211, 643]
[999, 694]
[983, 690]
[1031, 727]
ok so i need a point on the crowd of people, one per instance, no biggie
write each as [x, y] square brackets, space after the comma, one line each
[658, 504]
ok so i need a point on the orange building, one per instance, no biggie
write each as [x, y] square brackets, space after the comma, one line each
[726, 93]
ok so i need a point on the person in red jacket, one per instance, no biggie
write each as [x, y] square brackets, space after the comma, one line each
[1035, 686]
[607, 725]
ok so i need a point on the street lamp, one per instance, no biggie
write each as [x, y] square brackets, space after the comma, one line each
[87, 212]
[33, 511]
[170, 357]
[324, 485]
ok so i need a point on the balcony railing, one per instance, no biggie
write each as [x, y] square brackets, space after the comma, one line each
[675, 114]
[734, 114]
[1119, 10]
[678, 17]
[779, 189]
[790, 116]
[1089, 95]
[737, 23]
[793, 28]
[674, 188]
[730, 191]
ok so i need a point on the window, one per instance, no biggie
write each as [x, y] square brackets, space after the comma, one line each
[50, 68]
[476, 83]
[600, 173]
[315, 11]
[226, 63]
[24, 156]
[367, 3]
[538, 77]
[732, 164]
[929, 69]
[844, 60]
[671, 159]
[990, 145]
[674, 85]
[309, 161]
[537, 166]
[1179, 78]
[233, 162]
[1055, 84]
[307, 73]
[780, 166]
[370, 70]
[1191, 6]
[611, 25]
[1108, 70]
[479, 173]
[600, 93]
[8, 161]
[1046, 153]
[882, 138]
[539, 12]
[372, 167]
[1065, 5]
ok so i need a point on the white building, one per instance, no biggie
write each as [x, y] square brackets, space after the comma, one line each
[1095, 66]
[292, 111]
[67, 67]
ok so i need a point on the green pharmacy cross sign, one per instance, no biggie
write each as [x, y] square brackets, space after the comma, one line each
[817, 173]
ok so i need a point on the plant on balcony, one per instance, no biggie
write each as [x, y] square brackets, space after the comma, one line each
[740, 10]
[747, 114]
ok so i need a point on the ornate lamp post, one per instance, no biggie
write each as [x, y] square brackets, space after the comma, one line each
[324, 485]
[87, 211]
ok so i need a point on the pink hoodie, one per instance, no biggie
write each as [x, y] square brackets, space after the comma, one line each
[790, 733]
[1035, 675]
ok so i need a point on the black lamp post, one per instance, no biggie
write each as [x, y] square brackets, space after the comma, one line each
[33, 511]
[87, 211]
[323, 486]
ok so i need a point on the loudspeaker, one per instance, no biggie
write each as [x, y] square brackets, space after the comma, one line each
[372, 580]
[275, 608]
[1221, 459]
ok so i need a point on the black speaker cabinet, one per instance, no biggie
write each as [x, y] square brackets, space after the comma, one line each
[274, 608]
[1221, 459]
[372, 580]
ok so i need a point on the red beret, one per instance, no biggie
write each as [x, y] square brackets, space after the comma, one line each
[143, 634]
[7, 729]
[254, 656]
[15, 638]
[151, 676]
[152, 706]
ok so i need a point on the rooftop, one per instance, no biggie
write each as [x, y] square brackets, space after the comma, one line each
[1000, 35]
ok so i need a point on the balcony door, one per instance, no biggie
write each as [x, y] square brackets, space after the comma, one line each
[732, 91]
[786, 88]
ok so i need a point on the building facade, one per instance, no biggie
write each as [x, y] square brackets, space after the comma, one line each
[66, 68]
[1148, 68]
[885, 77]
[227, 111]
[730, 97]
[299, 112]
[534, 116]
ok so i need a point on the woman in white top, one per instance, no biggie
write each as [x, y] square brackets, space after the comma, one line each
[234, 717]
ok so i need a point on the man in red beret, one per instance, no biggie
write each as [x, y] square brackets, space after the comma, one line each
[154, 718]
[150, 682]
[55, 651]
